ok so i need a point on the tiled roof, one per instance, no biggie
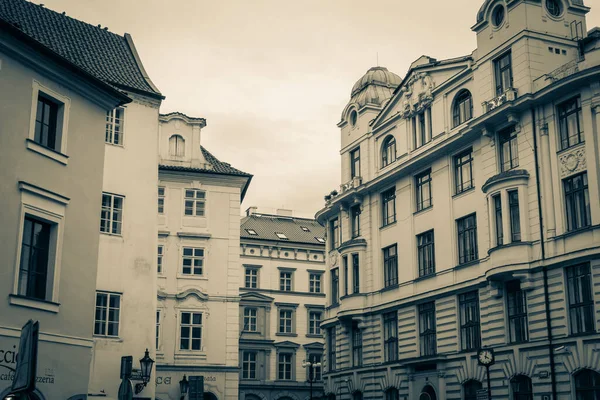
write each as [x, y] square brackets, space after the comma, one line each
[267, 226]
[105, 55]
[218, 167]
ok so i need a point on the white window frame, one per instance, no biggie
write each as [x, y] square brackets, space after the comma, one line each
[62, 123]
[193, 257]
[162, 197]
[248, 272]
[248, 363]
[159, 315]
[48, 207]
[291, 365]
[202, 334]
[111, 213]
[177, 154]
[250, 317]
[109, 295]
[110, 126]
[160, 255]
[292, 319]
[313, 282]
[317, 331]
[291, 279]
[195, 201]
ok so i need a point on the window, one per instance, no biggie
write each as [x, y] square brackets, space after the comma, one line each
[161, 200]
[423, 190]
[390, 336]
[503, 69]
[114, 126]
[193, 261]
[251, 232]
[305, 229]
[426, 253]
[470, 389]
[284, 366]
[320, 239]
[355, 163]
[498, 16]
[190, 331]
[46, 122]
[392, 394]
[345, 263]
[331, 346]
[353, 117]
[335, 286]
[355, 274]
[554, 7]
[569, 123]
[577, 201]
[281, 236]
[388, 206]
[463, 108]
[509, 151]
[249, 365]
[314, 283]
[285, 321]
[463, 171]
[314, 322]
[356, 345]
[467, 239]
[315, 372]
[195, 202]
[521, 388]
[498, 219]
[581, 299]
[111, 216]
[108, 310]
[587, 385]
[421, 132]
[250, 319]
[251, 278]
[159, 260]
[285, 281]
[34, 262]
[390, 266]
[176, 146]
[357, 396]
[388, 151]
[469, 321]
[515, 221]
[157, 329]
[517, 312]
[355, 218]
[334, 227]
[427, 329]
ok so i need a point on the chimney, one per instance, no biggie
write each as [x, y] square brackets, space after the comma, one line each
[251, 210]
[284, 212]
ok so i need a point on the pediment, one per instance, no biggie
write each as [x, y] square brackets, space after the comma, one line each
[314, 346]
[256, 297]
[287, 343]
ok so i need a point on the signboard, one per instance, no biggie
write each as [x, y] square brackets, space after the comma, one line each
[25, 371]
[482, 394]
[196, 391]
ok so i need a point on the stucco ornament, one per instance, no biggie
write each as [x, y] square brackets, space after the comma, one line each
[572, 162]
[333, 258]
[417, 94]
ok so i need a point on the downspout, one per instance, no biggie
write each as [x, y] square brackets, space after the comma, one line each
[543, 249]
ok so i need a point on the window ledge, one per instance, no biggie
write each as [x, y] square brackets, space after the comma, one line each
[425, 277]
[423, 210]
[38, 304]
[115, 145]
[593, 332]
[286, 334]
[312, 335]
[257, 333]
[199, 278]
[118, 235]
[580, 144]
[388, 225]
[390, 287]
[464, 192]
[108, 338]
[47, 152]
[511, 244]
[576, 231]
[467, 264]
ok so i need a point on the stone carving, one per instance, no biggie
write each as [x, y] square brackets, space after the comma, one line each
[417, 94]
[333, 258]
[572, 162]
[508, 95]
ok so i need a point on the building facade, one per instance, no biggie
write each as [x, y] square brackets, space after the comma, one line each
[52, 114]
[468, 218]
[282, 303]
[198, 263]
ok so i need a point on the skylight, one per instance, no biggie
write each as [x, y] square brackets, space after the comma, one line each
[281, 235]
[305, 229]
[320, 240]
[252, 232]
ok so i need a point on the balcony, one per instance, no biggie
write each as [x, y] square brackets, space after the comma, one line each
[346, 187]
[509, 95]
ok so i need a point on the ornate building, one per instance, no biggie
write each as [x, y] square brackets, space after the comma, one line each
[468, 218]
[282, 302]
[197, 328]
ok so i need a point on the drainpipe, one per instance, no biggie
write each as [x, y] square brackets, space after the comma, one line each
[543, 249]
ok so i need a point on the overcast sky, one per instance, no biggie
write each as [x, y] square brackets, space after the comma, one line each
[271, 77]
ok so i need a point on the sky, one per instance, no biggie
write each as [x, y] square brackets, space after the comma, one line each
[272, 77]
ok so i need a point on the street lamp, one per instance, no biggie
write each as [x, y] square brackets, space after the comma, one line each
[184, 386]
[146, 364]
[311, 372]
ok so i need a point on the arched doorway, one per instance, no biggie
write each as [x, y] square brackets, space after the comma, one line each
[587, 385]
[521, 387]
[470, 389]
[209, 396]
[427, 393]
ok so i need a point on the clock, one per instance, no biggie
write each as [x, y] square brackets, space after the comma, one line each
[486, 357]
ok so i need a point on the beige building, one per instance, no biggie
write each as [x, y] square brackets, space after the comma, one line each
[52, 113]
[198, 284]
[282, 303]
[468, 218]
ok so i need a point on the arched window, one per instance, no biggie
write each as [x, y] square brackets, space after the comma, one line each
[176, 146]
[521, 388]
[470, 389]
[463, 108]
[357, 396]
[587, 385]
[392, 394]
[353, 117]
[427, 393]
[388, 151]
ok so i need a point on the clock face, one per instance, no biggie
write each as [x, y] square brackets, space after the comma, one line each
[486, 357]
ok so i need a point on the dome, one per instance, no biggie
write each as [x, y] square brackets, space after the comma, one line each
[375, 87]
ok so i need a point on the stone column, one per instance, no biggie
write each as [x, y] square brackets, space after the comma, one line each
[547, 188]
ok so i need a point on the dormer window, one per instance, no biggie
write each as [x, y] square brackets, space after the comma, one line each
[251, 232]
[320, 239]
[281, 236]
[554, 7]
[176, 146]
[305, 229]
